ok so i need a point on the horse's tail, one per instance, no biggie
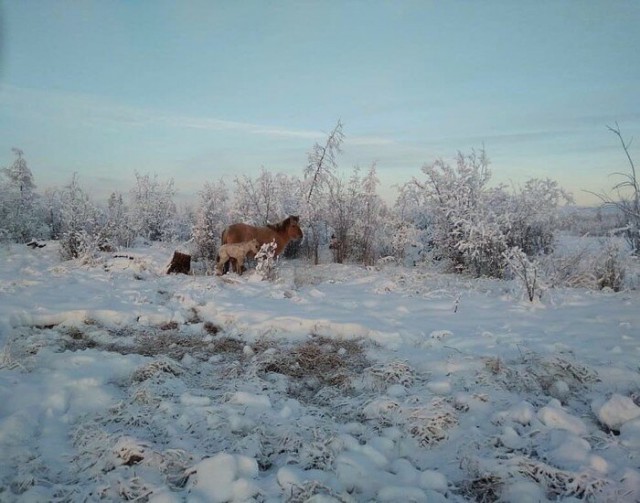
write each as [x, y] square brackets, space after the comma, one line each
[223, 236]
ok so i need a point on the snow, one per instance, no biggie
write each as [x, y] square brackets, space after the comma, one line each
[615, 411]
[332, 383]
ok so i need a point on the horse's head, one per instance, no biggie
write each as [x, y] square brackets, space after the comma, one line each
[254, 246]
[293, 227]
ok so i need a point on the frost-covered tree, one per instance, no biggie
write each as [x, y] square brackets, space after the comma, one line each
[266, 199]
[256, 201]
[20, 218]
[117, 229]
[355, 215]
[80, 229]
[184, 222]
[320, 170]
[370, 213]
[409, 223]
[153, 211]
[52, 212]
[210, 220]
[340, 216]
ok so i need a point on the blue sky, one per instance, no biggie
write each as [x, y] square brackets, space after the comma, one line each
[199, 90]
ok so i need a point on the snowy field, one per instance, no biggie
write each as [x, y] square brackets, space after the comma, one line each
[335, 383]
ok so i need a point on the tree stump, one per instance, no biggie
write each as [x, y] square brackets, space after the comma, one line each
[180, 263]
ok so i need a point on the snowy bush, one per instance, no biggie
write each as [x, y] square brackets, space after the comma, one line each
[609, 266]
[79, 223]
[533, 216]
[462, 226]
[584, 267]
[472, 225]
[211, 219]
[117, 231]
[267, 261]
[357, 216]
[153, 211]
[524, 269]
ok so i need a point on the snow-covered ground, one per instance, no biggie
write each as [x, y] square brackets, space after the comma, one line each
[333, 383]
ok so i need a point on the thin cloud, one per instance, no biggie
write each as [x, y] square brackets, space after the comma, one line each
[99, 112]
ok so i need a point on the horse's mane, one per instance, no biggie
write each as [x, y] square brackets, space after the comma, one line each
[280, 226]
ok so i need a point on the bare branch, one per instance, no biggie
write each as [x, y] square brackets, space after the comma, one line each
[625, 147]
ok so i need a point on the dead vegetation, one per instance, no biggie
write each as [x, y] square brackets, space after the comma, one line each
[329, 362]
[312, 491]
[482, 489]
[155, 367]
[429, 425]
[537, 374]
[380, 376]
[561, 483]
[164, 340]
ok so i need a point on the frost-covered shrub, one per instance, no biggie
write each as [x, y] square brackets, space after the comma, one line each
[609, 267]
[462, 226]
[471, 225]
[569, 269]
[117, 230]
[267, 261]
[356, 214]
[79, 222]
[533, 216]
[481, 247]
[211, 220]
[153, 211]
[524, 269]
[605, 267]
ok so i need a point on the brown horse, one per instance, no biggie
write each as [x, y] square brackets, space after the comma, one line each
[282, 232]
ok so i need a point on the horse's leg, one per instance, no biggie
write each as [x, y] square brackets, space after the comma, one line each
[239, 265]
[219, 265]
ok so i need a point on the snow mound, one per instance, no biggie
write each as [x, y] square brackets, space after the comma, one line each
[615, 411]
